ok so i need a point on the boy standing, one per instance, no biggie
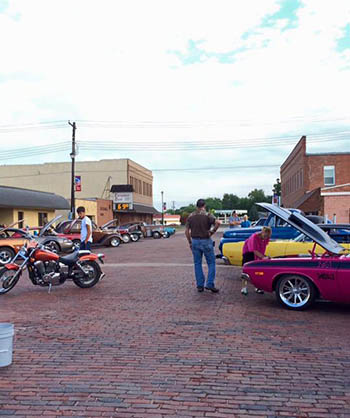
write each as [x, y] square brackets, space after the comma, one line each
[86, 229]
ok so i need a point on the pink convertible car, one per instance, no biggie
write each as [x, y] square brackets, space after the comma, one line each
[297, 282]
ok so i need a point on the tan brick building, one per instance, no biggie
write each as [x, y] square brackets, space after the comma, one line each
[317, 183]
[97, 178]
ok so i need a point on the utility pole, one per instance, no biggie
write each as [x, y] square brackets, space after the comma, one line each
[72, 156]
[173, 205]
[162, 193]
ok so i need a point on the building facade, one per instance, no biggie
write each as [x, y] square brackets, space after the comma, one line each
[317, 183]
[28, 207]
[95, 182]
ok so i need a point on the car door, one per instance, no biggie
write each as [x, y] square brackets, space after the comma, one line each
[343, 275]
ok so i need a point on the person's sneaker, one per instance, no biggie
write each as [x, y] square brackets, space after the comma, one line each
[259, 291]
[244, 291]
[200, 288]
[212, 289]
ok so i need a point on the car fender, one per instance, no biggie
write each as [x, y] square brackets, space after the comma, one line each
[296, 273]
[106, 240]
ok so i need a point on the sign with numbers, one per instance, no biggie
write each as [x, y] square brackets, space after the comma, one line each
[123, 206]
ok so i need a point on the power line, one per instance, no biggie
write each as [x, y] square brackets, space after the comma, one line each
[238, 167]
[168, 146]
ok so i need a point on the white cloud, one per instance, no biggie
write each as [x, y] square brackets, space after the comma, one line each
[110, 61]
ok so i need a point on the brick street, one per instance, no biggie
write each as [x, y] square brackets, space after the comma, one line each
[144, 343]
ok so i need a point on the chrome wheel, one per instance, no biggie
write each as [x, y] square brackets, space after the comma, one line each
[6, 255]
[295, 292]
[92, 274]
[53, 246]
[7, 280]
[126, 238]
[114, 242]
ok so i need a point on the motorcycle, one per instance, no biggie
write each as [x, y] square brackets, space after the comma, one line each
[46, 268]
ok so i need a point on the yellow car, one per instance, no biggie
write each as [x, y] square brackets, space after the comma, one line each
[232, 251]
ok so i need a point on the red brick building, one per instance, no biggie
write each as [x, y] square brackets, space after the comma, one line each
[317, 183]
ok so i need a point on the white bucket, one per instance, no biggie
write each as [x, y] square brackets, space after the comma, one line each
[6, 343]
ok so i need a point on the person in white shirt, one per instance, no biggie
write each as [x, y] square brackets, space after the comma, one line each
[86, 229]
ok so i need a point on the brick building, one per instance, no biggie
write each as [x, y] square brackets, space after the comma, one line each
[317, 183]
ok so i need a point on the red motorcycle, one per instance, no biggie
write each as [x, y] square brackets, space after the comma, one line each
[46, 268]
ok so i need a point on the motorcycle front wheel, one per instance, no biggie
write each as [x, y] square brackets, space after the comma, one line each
[7, 280]
[92, 276]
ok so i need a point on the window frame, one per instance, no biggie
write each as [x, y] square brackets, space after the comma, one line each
[328, 167]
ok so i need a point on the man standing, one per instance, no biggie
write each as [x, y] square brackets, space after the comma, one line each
[198, 232]
[234, 220]
[86, 229]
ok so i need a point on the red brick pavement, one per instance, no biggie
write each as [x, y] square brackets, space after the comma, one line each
[144, 343]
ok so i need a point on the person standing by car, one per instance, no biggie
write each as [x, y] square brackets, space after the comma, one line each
[245, 223]
[86, 229]
[198, 232]
[234, 220]
[254, 249]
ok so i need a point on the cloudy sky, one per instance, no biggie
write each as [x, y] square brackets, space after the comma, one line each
[211, 95]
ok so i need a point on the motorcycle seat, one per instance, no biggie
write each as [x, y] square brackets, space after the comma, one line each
[69, 259]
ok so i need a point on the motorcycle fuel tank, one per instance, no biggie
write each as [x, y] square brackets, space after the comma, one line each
[45, 255]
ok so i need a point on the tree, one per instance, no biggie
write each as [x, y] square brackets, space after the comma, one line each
[230, 201]
[213, 203]
[277, 188]
[253, 213]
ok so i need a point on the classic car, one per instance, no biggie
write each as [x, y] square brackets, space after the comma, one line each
[168, 231]
[301, 245]
[299, 281]
[154, 231]
[280, 229]
[71, 230]
[127, 232]
[12, 239]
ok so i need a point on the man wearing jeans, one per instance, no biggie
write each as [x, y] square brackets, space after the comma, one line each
[200, 226]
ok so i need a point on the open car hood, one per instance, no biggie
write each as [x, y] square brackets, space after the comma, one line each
[48, 225]
[109, 223]
[304, 225]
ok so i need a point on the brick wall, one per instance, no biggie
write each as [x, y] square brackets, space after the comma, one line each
[316, 163]
[294, 182]
[338, 205]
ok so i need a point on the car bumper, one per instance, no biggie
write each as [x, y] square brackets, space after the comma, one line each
[245, 276]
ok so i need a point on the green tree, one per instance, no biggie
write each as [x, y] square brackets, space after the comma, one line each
[213, 203]
[277, 188]
[230, 201]
[253, 213]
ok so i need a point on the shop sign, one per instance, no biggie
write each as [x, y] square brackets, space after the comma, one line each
[123, 197]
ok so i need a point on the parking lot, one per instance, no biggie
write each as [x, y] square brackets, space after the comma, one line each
[144, 343]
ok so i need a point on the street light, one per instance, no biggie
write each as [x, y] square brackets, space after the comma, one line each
[162, 193]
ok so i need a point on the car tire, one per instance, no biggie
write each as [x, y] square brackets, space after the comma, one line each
[295, 292]
[156, 235]
[126, 238]
[115, 242]
[166, 234]
[54, 247]
[6, 255]
[134, 237]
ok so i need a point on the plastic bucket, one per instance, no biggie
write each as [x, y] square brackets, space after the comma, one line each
[6, 343]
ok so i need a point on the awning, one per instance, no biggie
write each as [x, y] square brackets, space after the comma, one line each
[14, 197]
[138, 208]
